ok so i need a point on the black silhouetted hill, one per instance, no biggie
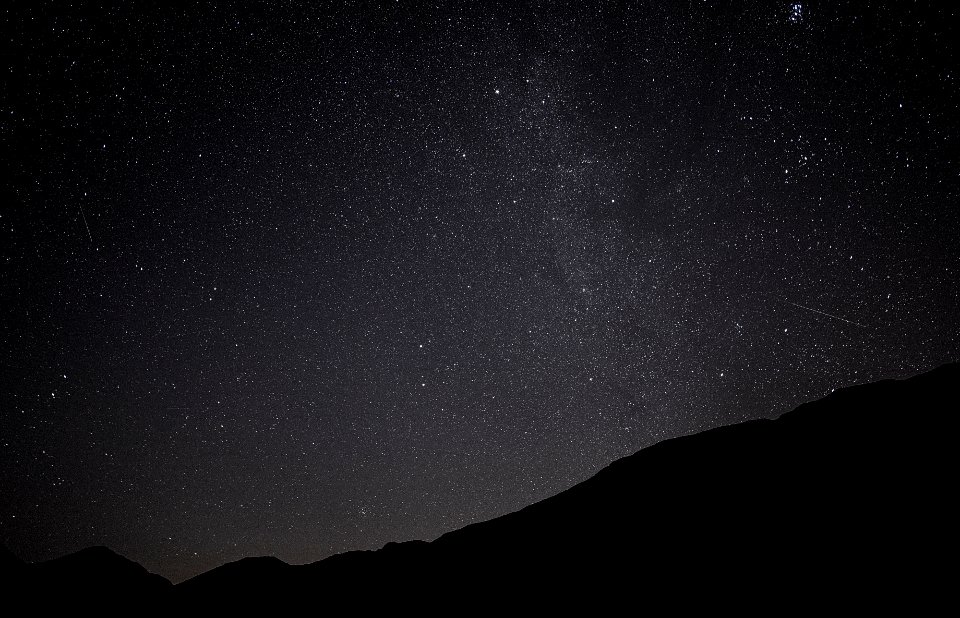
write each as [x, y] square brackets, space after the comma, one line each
[92, 576]
[13, 570]
[240, 577]
[843, 501]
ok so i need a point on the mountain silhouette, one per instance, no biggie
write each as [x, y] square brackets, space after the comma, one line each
[97, 573]
[843, 500]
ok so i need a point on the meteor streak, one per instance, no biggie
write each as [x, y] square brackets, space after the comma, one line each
[83, 214]
[829, 315]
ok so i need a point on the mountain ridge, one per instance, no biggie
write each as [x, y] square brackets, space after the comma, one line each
[846, 493]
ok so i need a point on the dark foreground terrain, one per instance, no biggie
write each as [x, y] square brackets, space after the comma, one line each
[843, 502]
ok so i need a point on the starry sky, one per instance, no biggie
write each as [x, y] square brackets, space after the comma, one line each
[301, 278]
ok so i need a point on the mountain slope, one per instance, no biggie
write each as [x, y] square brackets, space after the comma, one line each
[849, 493]
[847, 497]
[94, 577]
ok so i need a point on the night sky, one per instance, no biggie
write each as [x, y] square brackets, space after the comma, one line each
[296, 279]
